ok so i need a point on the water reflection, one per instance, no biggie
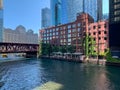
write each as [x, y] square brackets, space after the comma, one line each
[27, 75]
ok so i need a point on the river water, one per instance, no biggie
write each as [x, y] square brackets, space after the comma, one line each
[34, 73]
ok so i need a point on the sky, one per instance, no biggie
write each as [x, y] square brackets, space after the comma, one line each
[28, 13]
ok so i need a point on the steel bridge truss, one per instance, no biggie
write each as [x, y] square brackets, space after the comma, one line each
[18, 48]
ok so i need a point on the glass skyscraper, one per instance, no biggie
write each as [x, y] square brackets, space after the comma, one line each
[56, 12]
[1, 21]
[45, 16]
[70, 8]
[92, 7]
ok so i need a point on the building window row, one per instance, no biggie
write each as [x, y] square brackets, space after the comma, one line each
[116, 6]
[116, 1]
[116, 19]
[117, 12]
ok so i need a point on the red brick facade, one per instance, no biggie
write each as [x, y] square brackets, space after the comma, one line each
[74, 32]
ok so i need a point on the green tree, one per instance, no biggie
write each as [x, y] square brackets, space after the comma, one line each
[89, 46]
[70, 49]
[55, 48]
[46, 49]
[92, 46]
[62, 49]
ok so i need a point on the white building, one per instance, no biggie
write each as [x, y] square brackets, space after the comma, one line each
[20, 35]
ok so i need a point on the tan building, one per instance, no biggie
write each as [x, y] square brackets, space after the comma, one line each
[19, 35]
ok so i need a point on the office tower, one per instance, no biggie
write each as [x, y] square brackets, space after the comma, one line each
[45, 16]
[70, 8]
[73, 7]
[1, 21]
[92, 7]
[114, 26]
[56, 12]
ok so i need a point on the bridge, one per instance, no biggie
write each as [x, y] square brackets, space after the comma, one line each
[19, 48]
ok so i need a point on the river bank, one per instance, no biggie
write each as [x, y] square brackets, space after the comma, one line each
[77, 59]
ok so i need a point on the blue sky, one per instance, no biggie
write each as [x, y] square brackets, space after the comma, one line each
[28, 13]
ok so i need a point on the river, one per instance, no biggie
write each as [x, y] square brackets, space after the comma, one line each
[35, 73]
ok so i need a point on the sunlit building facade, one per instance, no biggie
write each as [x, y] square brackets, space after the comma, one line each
[74, 33]
[20, 35]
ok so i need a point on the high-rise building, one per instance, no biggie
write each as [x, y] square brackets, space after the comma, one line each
[45, 16]
[70, 8]
[56, 12]
[92, 7]
[1, 21]
[114, 26]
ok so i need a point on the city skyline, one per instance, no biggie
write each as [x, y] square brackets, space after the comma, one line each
[30, 12]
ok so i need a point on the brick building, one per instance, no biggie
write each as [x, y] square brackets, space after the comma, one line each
[99, 32]
[73, 33]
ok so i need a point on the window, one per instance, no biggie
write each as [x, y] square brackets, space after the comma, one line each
[116, 1]
[69, 30]
[89, 28]
[69, 35]
[105, 50]
[89, 34]
[99, 32]
[94, 33]
[105, 25]
[56, 29]
[117, 19]
[69, 26]
[117, 12]
[69, 40]
[94, 27]
[79, 29]
[99, 38]
[105, 38]
[79, 24]
[56, 33]
[73, 26]
[105, 32]
[116, 6]
[99, 26]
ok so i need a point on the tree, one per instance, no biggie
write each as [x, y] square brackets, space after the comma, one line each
[92, 46]
[62, 49]
[40, 49]
[70, 49]
[46, 49]
[89, 46]
[55, 48]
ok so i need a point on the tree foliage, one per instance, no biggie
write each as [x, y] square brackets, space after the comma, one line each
[89, 46]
